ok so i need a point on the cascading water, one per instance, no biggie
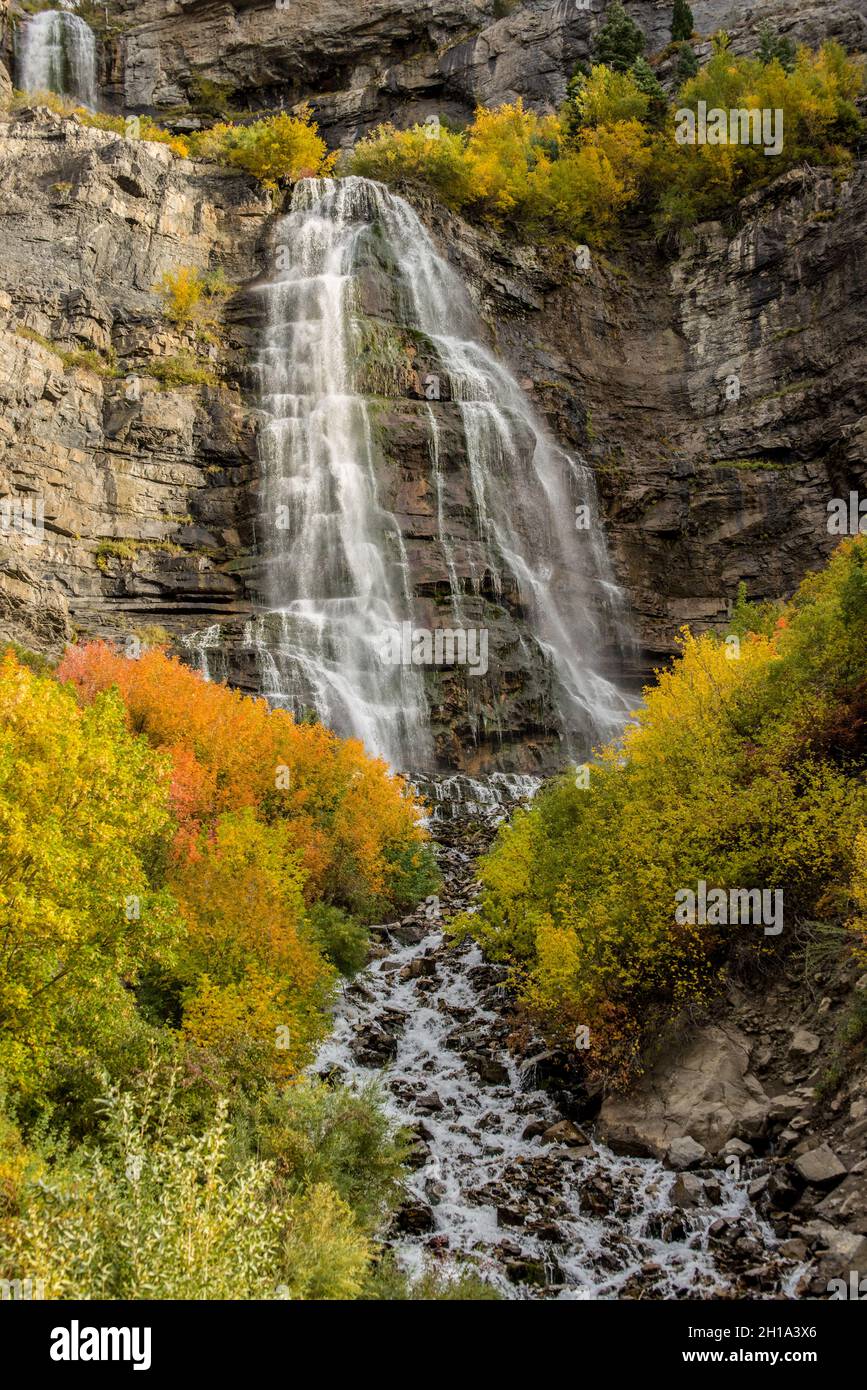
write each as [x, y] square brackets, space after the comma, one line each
[542, 1209]
[336, 572]
[57, 53]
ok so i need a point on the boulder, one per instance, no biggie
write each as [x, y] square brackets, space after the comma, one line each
[702, 1090]
[685, 1153]
[687, 1191]
[564, 1132]
[804, 1045]
[820, 1167]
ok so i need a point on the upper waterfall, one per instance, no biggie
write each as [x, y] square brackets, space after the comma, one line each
[336, 569]
[57, 53]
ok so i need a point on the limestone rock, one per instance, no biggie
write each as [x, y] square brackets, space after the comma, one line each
[702, 1090]
[820, 1167]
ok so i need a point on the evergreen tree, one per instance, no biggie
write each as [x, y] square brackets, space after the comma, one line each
[645, 78]
[682, 22]
[619, 41]
[687, 63]
[771, 47]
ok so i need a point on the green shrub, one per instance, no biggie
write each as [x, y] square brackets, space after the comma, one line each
[149, 1215]
[316, 1134]
[342, 941]
[740, 772]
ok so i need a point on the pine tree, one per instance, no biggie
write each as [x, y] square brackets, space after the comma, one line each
[682, 22]
[771, 47]
[619, 41]
[645, 78]
[687, 63]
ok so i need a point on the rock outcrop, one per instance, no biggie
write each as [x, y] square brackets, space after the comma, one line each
[144, 487]
[388, 60]
[704, 1092]
[632, 359]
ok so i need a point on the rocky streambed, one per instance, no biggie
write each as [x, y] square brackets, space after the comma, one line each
[506, 1173]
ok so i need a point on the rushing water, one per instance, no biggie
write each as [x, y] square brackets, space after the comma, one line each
[57, 53]
[337, 577]
[538, 1219]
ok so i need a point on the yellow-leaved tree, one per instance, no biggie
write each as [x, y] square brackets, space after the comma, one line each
[84, 825]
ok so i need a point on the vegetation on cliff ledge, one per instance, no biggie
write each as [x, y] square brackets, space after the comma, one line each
[612, 149]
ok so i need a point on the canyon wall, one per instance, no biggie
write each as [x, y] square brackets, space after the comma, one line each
[150, 478]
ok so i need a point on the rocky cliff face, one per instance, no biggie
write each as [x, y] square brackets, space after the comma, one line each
[631, 361]
[145, 487]
[149, 477]
[388, 60]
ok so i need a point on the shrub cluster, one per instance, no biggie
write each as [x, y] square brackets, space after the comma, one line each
[184, 872]
[612, 149]
[744, 773]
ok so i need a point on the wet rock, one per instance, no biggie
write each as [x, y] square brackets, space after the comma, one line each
[597, 1194]
[580, 1154]
[688, 1190]
[548, 1231]
[530, 1272]
[421, 967]
[489, 1071]
[414, 1218]
[374, 1046]
[510, 1216]
[564, 1132]
[409, 933]
[483, 976]
[685, 1153]
[429, 1104]
[419, 1151]
[534, 1129]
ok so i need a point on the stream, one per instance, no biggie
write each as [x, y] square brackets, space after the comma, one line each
[500, 1177]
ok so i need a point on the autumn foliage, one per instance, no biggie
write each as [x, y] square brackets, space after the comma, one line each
[611, 151]
[353, 824]
[173, 854]
[739, 770]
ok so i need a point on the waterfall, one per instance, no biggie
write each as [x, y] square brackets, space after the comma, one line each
[336, 574]
[57, 53]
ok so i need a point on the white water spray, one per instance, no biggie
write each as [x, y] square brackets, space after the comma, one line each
[336, 569]
[57, 53]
